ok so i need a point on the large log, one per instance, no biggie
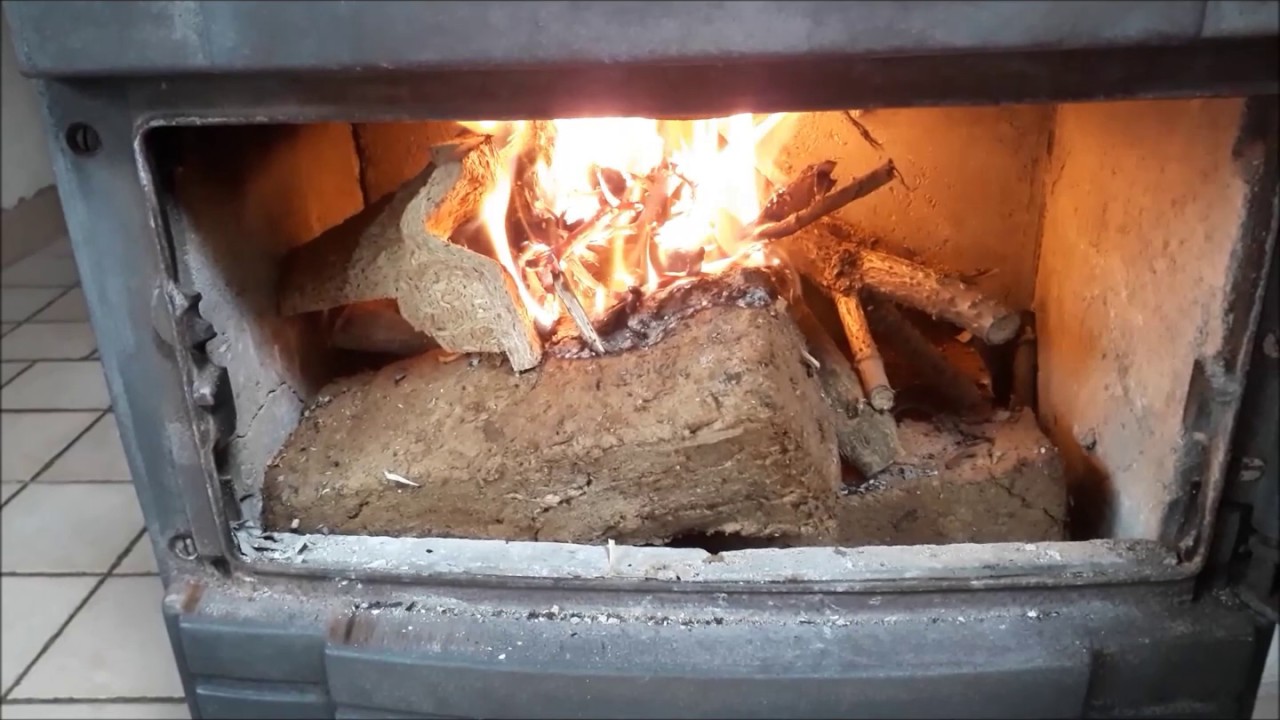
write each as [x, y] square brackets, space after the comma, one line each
[716, 429]
[400, 248]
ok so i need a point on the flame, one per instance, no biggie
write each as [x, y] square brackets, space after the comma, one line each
[597, 175]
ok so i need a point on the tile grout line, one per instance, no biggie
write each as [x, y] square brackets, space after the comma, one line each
[102, 580]
[43, 307]
[30, 364]
[49, 463]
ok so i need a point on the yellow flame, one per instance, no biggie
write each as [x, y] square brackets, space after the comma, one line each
[717, 163]
[494, 214]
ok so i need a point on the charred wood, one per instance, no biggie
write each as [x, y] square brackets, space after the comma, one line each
[858, 188]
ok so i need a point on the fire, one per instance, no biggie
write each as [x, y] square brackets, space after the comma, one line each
[612, 207]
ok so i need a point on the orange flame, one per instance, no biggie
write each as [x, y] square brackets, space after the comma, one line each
[716, 185]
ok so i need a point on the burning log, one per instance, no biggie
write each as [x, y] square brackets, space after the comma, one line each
[399, 248]
[718, 429]
[551, 277]
[812, 183]
[867, 439]
[898, 332]
[827, 204]
[643, 320]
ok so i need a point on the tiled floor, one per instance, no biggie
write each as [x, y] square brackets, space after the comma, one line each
[82, 631]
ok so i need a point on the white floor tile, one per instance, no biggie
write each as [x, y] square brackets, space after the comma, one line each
[18, 304]
[58, 248]
[29, 440]
[68, 308]
[10, 369]
[141, 559]
[6, 327]
[43, 269]
[116, 646]
[97, 455]
[58, 386]
[1267, 706]
[68, 528]
[33, 609]
[95, 711]
[48, 341]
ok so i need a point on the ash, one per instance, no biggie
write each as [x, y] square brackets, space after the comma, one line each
[652, 318]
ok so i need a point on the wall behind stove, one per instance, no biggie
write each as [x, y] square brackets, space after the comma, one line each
[974, 191]
[32, 215]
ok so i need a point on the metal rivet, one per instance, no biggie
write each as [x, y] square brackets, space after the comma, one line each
[82, 139]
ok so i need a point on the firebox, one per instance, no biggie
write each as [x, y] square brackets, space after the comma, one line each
[688, 359]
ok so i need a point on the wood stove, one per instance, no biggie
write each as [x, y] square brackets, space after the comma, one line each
[875, 359]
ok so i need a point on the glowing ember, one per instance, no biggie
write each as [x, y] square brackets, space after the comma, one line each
[617, 206]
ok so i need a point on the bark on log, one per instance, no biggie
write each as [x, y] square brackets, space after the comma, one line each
[867, 438]
[399, 248]
[866, 356]
[833, 255]
[943, 297]
[718, 429]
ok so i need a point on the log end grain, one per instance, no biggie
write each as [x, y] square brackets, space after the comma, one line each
[466, 301]
[713, 430]
[1000, 481]
[1003, 328]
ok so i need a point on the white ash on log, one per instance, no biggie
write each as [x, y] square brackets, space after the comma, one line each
[641, 321]
[400, 248]
[718, 429]
[868, 439]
